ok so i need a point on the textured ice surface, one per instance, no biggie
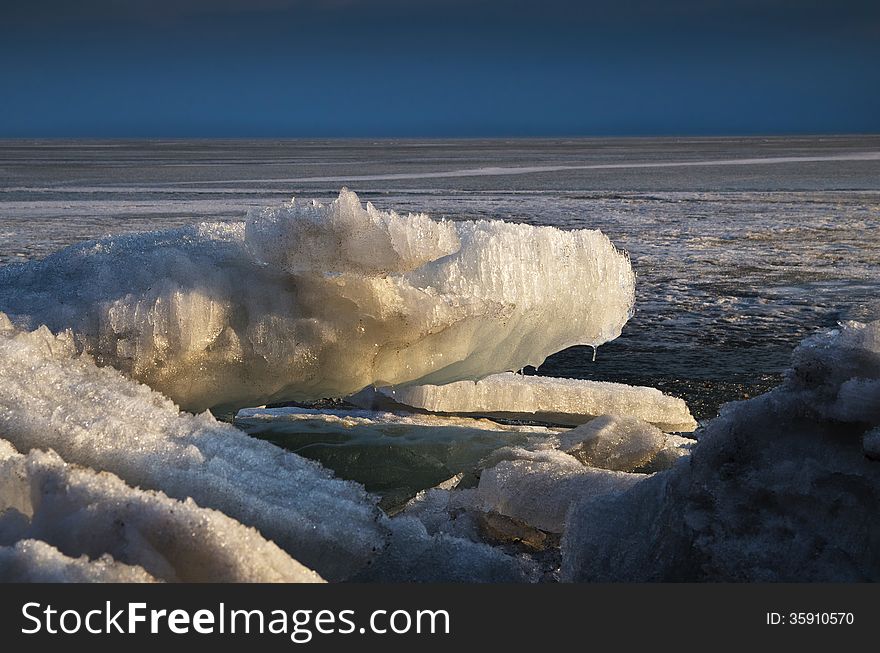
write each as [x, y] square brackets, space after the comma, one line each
[675, 448]
[414, 555]
[563, 401]
[308, 301]
[33, 561]
[52, 398]
[611, 442]
[449, 511]
[346, 237]
[779, 488]
[539, 489]
[82, 512]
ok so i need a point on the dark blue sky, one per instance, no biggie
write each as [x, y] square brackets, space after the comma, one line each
[437, 67]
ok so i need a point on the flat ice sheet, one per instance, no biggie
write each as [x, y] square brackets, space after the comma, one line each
[563, 401]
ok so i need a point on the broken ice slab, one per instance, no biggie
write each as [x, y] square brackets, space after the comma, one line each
[547, 399]
[623, 444]
[54, 398]
[81, 512]
[539, 489]
[393, 455]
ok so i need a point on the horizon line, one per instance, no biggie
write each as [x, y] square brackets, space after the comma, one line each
[718, 135]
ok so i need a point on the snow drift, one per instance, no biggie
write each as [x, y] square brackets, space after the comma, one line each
[309, 300]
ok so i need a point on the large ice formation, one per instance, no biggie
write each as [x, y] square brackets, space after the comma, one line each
[54, 398]
[81, 512]
[561, 401]
[782, 487]
[309, 300]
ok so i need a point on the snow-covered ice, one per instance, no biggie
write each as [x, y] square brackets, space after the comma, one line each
[33, 561]
[82, 512]
[415, 555]
[612, 442]
[562, 401]
[778, 489]
[446, 510]
[539, 489]
[54, 398]
[308, 300]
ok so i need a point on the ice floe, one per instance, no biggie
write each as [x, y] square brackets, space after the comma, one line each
[308, 300]
[561, 401]
[779, 489]
[393, 454]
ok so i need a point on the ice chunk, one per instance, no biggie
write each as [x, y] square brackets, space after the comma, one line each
[560, 401]
[779, 488]
[675, 448]
[52, 398]
[539, 492]
[83, 512]
[33, 561]
[309, 301]
[612, 442]
[393, 455]
[837, 373]
[543, 454]
[446, 511]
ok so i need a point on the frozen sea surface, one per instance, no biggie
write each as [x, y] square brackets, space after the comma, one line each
[742, 246]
